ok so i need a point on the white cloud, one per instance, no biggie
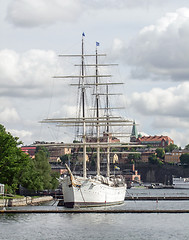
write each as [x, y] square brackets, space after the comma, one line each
[26, 74]
[22, 134]
[181, 138]
[9, 115]
[168, 122]
[26, 13]
[168, 102]
[161, 50]
[158, 51]
[164, 111]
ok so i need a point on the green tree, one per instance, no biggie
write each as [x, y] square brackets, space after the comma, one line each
[31, 178]
[65, 158]
[153, 159]
[54, 181]
[134, 156]
[160, 153]
[12, 160]
[184, 158]
[43, 169]
[44, 149]
[38, 175]
[17, 168]
[187, 147]
[171, 147]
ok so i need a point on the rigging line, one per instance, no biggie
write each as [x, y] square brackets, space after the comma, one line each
[51, 133]
[51, 97]
[79, 104]
[82, 195]
[78, 111]
[71, 47]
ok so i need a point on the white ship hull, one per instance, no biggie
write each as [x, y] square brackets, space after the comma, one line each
[91, 192]
[182, 183]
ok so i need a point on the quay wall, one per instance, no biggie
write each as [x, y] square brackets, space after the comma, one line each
[15, 202]
[160, 174]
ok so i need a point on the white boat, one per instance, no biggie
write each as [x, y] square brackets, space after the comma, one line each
[181, 183]
[96, 191]
[85, 191]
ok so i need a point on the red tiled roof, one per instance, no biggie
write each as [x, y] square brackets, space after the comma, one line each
[28, 148]
[155, 139]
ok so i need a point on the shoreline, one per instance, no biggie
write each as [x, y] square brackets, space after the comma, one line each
[25, 201]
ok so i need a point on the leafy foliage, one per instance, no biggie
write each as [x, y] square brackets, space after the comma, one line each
[160, 153]
[65, 158]
[171, 147]
[153, 159]
[17, 168]
[12, 160]
[187, 147]
[43, 169]
[134, 156]
[184, 158]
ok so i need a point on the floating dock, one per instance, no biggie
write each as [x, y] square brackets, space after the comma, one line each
[76, 211]
[154, 198]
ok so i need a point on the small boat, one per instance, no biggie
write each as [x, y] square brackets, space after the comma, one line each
[156, 186]
[181, 183]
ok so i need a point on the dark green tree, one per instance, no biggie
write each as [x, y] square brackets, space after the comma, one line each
[184, 158]
[153, 159]
[134, 156]
[17, 168]
[171, 147]
[44, 149]
[187, 147]
[31, 178]
[160, 153]
[43, 169]
[54, 181]
[38, 175]
[13, 162]
[65, 158]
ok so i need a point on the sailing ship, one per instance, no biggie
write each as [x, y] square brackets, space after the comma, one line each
[85, 191]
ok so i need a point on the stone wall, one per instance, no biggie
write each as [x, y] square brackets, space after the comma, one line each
[15, 202]
[161, 174]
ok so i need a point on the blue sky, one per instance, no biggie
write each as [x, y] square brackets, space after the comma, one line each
[148, 38]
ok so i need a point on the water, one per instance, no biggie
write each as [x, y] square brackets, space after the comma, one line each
[103, 226]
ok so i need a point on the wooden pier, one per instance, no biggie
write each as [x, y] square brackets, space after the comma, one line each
[155, 198]
[76, 211]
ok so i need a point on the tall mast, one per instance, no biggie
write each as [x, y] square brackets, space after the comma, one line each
[100, 121]
[108, 133]
[83, 108]
[97, 115]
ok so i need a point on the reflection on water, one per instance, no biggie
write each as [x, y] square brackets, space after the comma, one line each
[102, 226]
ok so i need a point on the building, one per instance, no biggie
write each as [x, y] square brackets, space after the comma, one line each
[155, 141]
[29, 150]
[107, 137]
[174, 156]
[2, 189]
[55, 151]
[146, 154]
[59, 169]
[132, 176]
[134, 133]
